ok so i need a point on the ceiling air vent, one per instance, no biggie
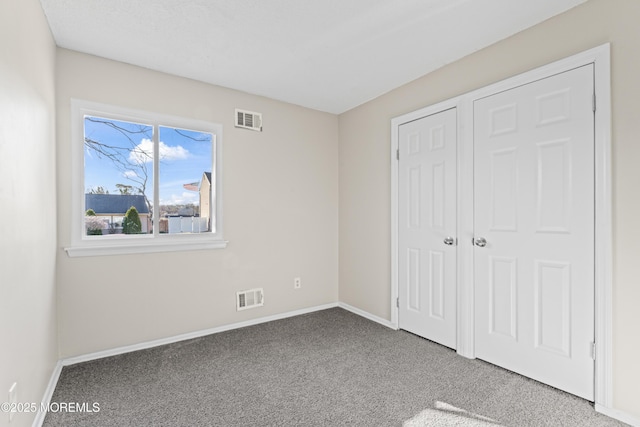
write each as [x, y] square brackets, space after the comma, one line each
[248, 120]
[249, 299]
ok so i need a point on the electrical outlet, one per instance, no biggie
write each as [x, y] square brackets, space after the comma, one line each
[297, 283]
[13, 400]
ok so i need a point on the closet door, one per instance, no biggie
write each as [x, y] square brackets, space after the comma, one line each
[427, 227]
[534, 230]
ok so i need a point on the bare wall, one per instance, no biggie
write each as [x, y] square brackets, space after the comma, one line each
[28, 352]
[364, 162]
[280, 216]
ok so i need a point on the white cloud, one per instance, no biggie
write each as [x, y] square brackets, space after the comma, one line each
[130, 174]
[143, 152]
[181, 199]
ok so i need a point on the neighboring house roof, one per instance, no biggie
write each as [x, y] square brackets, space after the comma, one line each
[115, 203]
[195, 186]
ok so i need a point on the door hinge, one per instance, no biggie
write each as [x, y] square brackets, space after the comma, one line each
[398, 302]
[593, 102]
[398, 154]
[593, 351]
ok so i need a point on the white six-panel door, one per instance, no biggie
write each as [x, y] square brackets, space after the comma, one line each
[534, 230]
[427, 227]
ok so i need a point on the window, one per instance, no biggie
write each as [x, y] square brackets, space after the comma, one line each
[143, 182]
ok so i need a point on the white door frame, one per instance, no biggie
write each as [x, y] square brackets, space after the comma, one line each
[600, 57]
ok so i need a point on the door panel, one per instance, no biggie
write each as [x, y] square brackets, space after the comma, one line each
[427, 215]
[534, 205]
[503, 310]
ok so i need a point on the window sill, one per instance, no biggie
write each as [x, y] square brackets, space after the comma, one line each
[143, 248]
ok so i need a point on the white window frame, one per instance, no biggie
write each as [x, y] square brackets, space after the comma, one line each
[83, 245]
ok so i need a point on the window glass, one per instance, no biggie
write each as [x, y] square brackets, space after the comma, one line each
[185, 165]
[143, 182]
[118, 177]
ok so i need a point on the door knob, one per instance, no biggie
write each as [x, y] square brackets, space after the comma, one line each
[481, 242]
[449, 241]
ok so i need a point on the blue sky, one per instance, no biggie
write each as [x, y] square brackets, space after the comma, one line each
[184, 156]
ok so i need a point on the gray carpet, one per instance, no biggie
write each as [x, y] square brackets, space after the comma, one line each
[326, 368]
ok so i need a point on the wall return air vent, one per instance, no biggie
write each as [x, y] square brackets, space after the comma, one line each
[249, 299]
[248, 120]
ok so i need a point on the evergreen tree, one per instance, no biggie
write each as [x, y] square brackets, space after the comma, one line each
[131, 223]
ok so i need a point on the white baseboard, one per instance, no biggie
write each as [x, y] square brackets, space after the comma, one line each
[46, 398]
[367, 315]
[190, 335]
[618, 415]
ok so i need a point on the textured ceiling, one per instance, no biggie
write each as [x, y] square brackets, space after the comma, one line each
[330, 55]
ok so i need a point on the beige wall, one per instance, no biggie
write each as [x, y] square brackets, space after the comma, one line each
[364, 163]
[28, 351]
[280, 216]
